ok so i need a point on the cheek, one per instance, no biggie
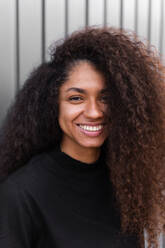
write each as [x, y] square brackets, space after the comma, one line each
[67, 114]
[63, 117]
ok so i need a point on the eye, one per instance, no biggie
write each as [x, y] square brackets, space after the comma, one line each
[104, 98]
[75, 98]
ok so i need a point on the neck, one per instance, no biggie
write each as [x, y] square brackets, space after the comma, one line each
[86, 155]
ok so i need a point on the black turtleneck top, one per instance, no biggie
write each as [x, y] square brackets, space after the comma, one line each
[55, 201]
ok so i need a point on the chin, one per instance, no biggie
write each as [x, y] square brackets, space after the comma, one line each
[92, 145]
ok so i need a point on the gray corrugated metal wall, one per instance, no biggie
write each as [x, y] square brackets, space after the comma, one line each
[28, 27]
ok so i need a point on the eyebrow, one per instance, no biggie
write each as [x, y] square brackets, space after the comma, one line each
[79, 90]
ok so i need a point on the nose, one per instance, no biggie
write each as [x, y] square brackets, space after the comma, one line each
[94, 110]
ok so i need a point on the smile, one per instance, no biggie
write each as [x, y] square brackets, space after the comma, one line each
[91, 128]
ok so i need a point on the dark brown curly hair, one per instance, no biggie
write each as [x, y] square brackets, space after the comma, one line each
[136, 144]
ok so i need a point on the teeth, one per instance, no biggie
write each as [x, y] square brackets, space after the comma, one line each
[91, 128]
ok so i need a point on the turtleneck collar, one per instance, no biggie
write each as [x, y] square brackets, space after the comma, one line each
[82, 177]
[85, 187]
[69, 163]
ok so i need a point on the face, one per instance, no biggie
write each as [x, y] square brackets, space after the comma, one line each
[82, 108]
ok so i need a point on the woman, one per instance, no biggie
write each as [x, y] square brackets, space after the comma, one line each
[83, 147]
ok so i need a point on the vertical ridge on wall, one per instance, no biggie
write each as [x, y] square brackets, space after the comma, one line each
[87, 13]
[43, 30]
[161, 28]
[121, 14]
[66, 18]
[136, 16]
[105, 12]
[149, 21]
[17, 49]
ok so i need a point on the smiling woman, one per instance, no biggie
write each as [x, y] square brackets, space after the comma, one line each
[82, 154]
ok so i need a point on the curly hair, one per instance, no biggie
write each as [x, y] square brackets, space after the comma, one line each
[135, 147]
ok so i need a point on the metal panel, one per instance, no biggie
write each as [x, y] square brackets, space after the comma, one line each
[155, 22]
[129, 14]
[142, 23]
[76, 18]
[55, 22]
[113, 13]
[30, 36]
[96, 12]
[7, 51]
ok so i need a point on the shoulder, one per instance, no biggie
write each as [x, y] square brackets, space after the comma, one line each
[29, 175]
[18, 207]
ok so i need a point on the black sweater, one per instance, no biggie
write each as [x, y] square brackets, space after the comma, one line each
[56, 201]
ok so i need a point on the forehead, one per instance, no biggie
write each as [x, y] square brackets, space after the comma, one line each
[85, 76]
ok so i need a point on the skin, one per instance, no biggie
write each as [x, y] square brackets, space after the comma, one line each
[82, 100]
